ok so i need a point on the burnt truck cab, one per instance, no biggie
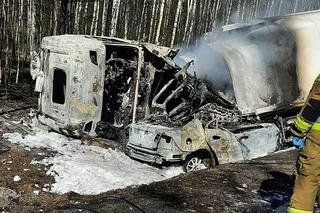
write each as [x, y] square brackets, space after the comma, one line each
[72, 98]
[94, 85]
[73, 77]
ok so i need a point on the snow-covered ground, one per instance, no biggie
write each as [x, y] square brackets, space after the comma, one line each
[88, 169]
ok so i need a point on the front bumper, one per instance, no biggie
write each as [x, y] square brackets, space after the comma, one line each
[154, 157]
[150, 158]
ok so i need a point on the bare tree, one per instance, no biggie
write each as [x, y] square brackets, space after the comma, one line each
[192, 21]
[18, 31]
[166, 22]
[189, 10]
[97, 18]
[178, 11]
[86, 17]
[229, 12]
[152, 20]
[160, 21]
[3, 33]
[56, 11]
[7, 15]
[114, 18]
[32, 25]
[93, 16]
[63, 20]
[126, 21]
[141, 18]
[77, 16]
[104, 16]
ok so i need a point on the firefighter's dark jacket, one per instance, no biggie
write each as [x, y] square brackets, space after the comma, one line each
[307, 123]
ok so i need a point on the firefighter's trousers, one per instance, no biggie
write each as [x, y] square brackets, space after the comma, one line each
[307, 177]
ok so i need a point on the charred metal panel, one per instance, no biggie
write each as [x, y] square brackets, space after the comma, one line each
[262, 67]
[155, 143]
[273, 62]
[193, 136]
[82, 61]
[225, 145]
[155, 140]
[259, 141]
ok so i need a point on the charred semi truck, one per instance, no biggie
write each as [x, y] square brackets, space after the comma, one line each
[110, 87]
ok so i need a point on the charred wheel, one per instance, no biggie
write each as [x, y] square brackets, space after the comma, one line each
[199, 160]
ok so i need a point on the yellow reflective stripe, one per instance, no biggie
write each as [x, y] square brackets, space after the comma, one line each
[293, 210]
[316, 126]
[301, 124]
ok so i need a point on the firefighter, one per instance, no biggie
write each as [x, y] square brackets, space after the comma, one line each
[306, 137]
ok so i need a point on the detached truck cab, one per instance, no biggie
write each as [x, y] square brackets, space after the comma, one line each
[97, 85]
[74, 68]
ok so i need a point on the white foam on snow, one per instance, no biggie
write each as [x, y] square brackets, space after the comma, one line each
[89, 170]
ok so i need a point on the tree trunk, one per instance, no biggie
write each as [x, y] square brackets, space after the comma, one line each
[79, 17]
[33, 26]
[7, 33]
[76, 17]
[176, 22]
[56, 10]
[279, 9]
[1, 40]
[296, 6]
[141, 19]
[97, 19]
[229, 13]
[114, 19]
[160, 21]
[63, 17]
[152, 20]
[243, 11]
[144, 35]
[86, 17]
[126, 20]
[40, 21]
[192, 21]
[93, 17]
[104, 17]
[189, 8]
[19, 30]
[3, 34]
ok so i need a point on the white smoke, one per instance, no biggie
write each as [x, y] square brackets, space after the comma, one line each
[208, 65]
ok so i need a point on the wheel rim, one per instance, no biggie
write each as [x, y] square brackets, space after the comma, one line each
[195, 164]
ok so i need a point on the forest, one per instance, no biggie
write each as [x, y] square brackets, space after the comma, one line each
[24, 23]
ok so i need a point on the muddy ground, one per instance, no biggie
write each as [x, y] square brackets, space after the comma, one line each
[239, 187]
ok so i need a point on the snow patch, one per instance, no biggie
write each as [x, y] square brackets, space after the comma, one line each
[89, 170]
[16, 178]
[36, 192]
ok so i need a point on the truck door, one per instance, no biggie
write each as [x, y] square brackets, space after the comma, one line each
[57, 82]
[71, 97]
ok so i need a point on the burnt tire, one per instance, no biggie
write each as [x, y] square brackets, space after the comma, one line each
[198, 161]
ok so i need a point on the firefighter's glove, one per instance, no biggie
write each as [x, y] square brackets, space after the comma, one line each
[297, 142]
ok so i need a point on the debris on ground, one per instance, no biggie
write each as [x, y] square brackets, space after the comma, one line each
[4, 148]
[6, 196]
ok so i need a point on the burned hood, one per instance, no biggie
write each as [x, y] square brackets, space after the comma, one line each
[165, 53]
